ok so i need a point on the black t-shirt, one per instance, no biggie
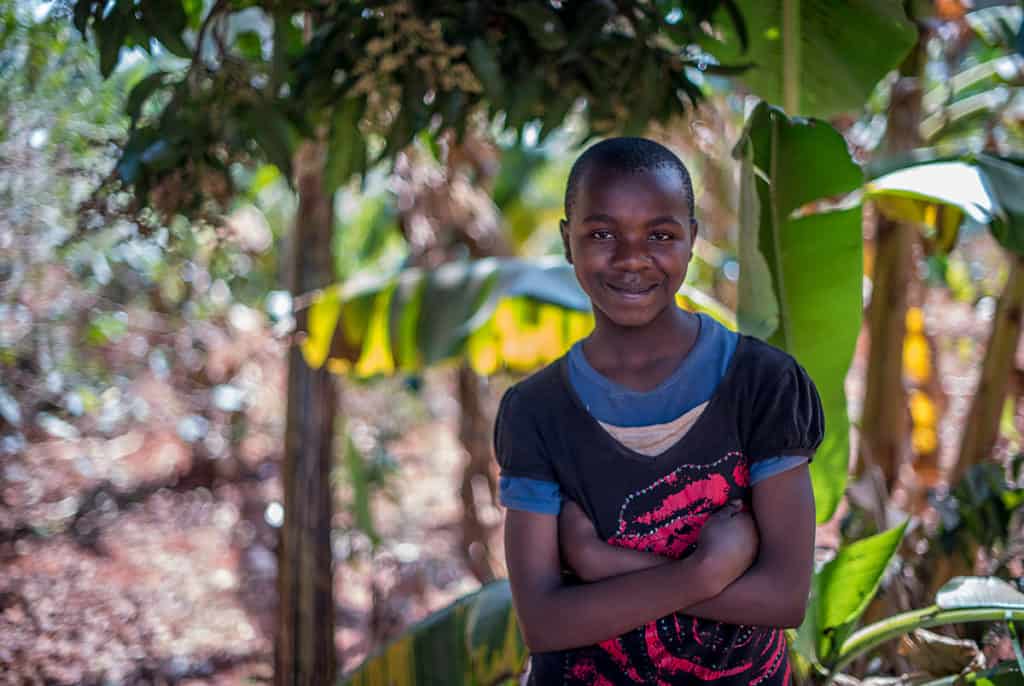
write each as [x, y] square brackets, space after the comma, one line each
[765, 406]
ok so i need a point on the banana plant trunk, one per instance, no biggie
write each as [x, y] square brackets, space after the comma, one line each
[885, 417]
[885, 421]
[982, 426]
[304, 652]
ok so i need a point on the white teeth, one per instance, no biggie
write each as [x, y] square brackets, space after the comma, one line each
[631, 290]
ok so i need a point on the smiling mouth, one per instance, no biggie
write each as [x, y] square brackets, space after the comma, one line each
[631, 291]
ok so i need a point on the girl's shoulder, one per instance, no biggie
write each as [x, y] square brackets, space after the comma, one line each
[760, 362]
[539, 395]
[778, 406]
[541, 384]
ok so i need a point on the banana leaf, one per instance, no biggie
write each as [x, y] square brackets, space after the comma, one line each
[845, 49]
[801, 265]
[936, 197]
[475, 641]
[497, 313]
[841, 591]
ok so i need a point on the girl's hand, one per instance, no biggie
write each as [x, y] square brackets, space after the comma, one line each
[589, 556]
[728, 542]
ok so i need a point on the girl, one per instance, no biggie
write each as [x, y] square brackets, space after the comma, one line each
[642, 459]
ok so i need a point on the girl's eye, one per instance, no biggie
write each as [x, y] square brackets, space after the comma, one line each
[601, 235]
[661, 236]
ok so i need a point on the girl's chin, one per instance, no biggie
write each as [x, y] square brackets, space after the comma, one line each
[632, 317]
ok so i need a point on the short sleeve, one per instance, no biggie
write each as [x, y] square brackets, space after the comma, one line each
[517, 442]
[771, 466]
[531, 495]
[783, 414]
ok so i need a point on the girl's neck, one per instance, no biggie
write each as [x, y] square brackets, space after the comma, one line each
[670, 335]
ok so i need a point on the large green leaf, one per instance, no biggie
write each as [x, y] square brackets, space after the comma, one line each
[841, 592]
[814, 261]
[845, 49]
[475, 641]
[496, 312]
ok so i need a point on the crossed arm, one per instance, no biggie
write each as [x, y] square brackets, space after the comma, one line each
[556, 616]
[772, 592]
[733, 576]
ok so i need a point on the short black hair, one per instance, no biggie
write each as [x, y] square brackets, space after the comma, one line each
[627, 155]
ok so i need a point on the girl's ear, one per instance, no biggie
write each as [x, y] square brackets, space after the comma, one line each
[563, 227]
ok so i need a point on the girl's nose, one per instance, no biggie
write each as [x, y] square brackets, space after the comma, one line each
[631, 255]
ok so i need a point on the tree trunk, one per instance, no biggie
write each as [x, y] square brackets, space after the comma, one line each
[475, 435]
[982, 427]
[885, 419]
[304, 650]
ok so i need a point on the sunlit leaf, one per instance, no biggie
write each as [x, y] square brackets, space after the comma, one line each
[936, 196]
[977, 591]
[475, 641]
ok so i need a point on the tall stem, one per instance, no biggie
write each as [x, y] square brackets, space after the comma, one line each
[791, 44]
[982, 427]
[884, 418]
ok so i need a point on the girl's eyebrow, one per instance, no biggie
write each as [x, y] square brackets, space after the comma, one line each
[664, 220]
[605, 218]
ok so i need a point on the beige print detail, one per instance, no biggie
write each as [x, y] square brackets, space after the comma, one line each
[656, 438]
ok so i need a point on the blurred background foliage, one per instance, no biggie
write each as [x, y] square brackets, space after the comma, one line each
[152, 214]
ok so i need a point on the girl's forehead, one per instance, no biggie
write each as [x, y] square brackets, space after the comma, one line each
[609, 191]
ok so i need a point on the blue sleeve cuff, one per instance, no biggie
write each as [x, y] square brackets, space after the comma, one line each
[762, 469]
[532, 495]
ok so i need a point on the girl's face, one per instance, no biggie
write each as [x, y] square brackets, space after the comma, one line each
[630, 240]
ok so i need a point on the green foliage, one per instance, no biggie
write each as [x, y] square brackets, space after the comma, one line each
[962, 600]
[1003, 674]
[979, 510]
[366, 236]
[841, 591]
[998, 26]
[1004, 178]
[846, 48]
[800, 271]
[475, 641]
[364, 476]
[132, 24]
[373, 76]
